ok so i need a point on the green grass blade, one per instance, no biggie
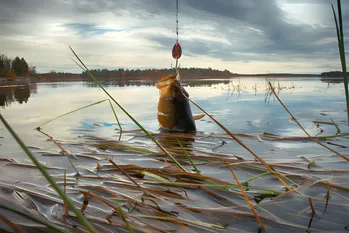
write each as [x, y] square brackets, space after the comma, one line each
[78, 64]
[191, 162]
[37, 220]
[257, 127]
[123, 217]
[343, 59]
[79, 215]
[123, 147]
[129, 115]
[216, 186]
[336, 125]
[340, 19]
[154, 176]
[65, 114]
[335, 20]
[340, 37]
[116, 117]
[87, 106]
[340, 135]
[255, 177]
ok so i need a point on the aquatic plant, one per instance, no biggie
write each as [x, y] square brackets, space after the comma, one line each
[128, 114]
[340, 39]
[64, 197]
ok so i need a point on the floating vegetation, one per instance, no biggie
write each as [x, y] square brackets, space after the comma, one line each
[144, 191]
[132, 185]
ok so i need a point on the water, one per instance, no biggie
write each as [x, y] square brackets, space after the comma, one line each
[241, 105]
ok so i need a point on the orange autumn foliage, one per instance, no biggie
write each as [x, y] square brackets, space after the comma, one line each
[11, 73]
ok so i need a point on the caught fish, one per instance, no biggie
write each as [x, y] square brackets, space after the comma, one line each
[174, 111]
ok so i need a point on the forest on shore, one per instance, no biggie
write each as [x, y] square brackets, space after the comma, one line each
[135, 74]
[156, 74]
[18, 67]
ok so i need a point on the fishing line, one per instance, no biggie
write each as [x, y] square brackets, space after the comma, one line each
[177, 50]
[177, 28]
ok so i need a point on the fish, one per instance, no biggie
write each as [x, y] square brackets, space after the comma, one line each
[174, 112]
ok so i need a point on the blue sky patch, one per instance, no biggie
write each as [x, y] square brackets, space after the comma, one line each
[85, 29]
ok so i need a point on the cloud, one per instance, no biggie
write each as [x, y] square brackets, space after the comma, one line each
[224, 34]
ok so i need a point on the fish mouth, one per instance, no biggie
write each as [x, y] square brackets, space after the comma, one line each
[165, 81]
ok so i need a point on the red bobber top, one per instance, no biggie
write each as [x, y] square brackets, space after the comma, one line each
[177, 51]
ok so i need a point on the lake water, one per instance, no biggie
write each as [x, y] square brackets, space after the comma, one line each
[241, 105]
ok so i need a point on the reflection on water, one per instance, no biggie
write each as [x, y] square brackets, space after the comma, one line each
[170, 139]
[130, 83]
[332, 79]
[234, 102]
[20, 93]
[149, 83]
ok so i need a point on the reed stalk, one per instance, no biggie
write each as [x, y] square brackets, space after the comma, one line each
[272, 170]
[340, 38]
[129, 115]
[246, 198]
[300, 126]
[43, 171]
[30, 216]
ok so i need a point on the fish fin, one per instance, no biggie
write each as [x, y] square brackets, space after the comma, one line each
[198, 117]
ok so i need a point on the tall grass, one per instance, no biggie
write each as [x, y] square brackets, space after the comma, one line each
[31, 217]
[128, 114]
[65, 198]
[340, 38]
[302, 128]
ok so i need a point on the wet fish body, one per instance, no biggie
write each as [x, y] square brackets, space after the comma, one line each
[174, 112]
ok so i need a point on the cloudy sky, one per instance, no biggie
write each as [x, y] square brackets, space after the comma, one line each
[243, 36]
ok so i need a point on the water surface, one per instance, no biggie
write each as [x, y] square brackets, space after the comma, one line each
[241, 105]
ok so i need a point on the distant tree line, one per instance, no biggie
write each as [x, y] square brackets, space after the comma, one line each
[54, 76]
[337, 74]
[16, 67]
[132, 74]
[157, 73]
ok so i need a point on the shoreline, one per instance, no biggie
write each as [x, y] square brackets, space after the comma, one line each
[14, 81]
[75, 78]
[79, 78]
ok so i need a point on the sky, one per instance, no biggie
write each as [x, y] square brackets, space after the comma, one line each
[242, 36]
